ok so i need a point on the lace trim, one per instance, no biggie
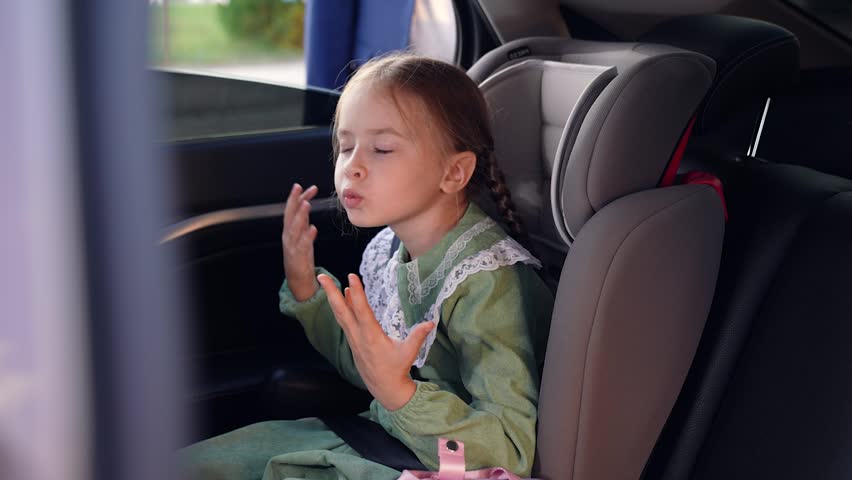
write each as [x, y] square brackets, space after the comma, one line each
[379, 273]
[503, 253]
[374, 271]
[416, 291]
[392, 319]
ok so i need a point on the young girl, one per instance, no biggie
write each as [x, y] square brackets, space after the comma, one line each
[447, 329]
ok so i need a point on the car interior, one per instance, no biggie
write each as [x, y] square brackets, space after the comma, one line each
[685, 172]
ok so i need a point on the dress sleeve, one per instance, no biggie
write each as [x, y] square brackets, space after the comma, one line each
[488, 320]
[322, 328]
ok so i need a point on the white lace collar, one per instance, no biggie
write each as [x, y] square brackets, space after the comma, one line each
[379, 272]
[417, 291]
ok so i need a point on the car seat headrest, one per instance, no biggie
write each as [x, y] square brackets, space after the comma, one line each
[538, 107]
[572, 138]
[622, 55]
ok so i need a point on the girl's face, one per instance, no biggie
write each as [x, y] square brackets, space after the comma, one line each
[385, 173]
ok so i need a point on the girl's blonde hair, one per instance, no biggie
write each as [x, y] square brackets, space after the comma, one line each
[455, 106]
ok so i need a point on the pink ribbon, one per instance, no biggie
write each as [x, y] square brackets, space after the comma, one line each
[451, 457]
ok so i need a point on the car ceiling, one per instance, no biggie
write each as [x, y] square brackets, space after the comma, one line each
[628, 19]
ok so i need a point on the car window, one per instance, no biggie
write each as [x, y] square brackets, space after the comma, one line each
[268, 39]
[260, 39]
[210, 106]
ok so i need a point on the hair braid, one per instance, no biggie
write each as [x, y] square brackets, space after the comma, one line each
[496, 183]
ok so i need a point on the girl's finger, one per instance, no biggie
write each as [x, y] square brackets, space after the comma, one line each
[297, 203]
[292, 202]
[415, 339]
[361, 309]
[304, 214]
[338, 304]
[298, 221]
[347, 294]
[309, 193]
[360, 305]
[305, 241]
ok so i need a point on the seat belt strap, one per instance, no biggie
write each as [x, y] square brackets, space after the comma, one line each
[368, 438]
[372, 442]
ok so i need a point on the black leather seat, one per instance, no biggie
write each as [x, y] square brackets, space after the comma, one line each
[755, 60]
[768, 395]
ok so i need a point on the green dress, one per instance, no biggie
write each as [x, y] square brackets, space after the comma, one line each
[477, 374]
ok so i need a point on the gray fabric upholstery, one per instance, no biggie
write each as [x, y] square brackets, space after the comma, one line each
[634, 294]
[583, 153]
[553, 98]
[622, 55]
[631, 130]
[630, 134]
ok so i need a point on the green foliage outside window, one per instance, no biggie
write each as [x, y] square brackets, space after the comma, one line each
[277, 23]
[241, 31]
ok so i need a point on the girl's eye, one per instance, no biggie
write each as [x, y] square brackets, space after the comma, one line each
[346, 150]
[382, 152]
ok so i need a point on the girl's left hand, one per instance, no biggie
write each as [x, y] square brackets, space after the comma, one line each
[383, 363]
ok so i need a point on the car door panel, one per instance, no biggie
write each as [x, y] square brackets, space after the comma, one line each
[251, 362]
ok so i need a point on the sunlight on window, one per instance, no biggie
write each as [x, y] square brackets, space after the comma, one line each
[265, 39]
[255, 39]
[433, 29]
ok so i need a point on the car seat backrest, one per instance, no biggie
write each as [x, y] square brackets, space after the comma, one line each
[632, 300]
[636, 286]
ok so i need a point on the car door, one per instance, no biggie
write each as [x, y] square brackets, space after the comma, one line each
[238, 147]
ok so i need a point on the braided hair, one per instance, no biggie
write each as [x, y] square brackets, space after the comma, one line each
[499, 191]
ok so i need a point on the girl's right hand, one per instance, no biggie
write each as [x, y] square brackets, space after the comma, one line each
[297, 241]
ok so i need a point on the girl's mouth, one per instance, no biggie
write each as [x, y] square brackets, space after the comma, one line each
[351, 199]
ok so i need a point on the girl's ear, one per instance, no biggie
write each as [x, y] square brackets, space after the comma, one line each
[459, 169]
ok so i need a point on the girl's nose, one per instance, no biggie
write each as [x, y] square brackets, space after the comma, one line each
[355, 167]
